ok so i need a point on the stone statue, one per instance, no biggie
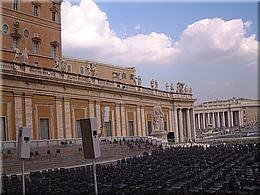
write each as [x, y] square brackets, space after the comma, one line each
[156, 84]
[172, 87]
[25, 55]
[16, 55]
[120, 76]
[158, 118]
[62, 65]
[94, 69]
[180, 87]
[152, 84]
[190, 90]
[139, 82]
[135, 80]
[88, 69]
[167, 86]
[57, 63]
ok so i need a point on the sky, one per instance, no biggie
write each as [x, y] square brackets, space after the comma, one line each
[211, 47]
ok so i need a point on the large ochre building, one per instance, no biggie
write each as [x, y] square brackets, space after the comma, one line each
[51, 95]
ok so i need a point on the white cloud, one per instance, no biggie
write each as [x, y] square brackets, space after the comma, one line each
[86, 33]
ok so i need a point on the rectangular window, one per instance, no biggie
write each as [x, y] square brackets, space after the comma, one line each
[149, 126]
[124, 76]
[78, 129]
[108, 128]
[15, 42]
[44, 128]
[131, 128]
[36, 10]
[2, 129]
[69, 69]
[53, 51]
[81, 70]
[36, 47]
[15, 4]
[53, 16]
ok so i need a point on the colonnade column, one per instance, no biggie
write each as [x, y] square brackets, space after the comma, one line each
[18, 114]
[213, 120]
[223, 119]
[218, 119]
[67, 117]
[98, 115]
[143, 126]
[91, 108]
[170, 121]
[193, 125]
[176, 125]
[123, 120]
[231, 117]
[203, 120]
[180, 125]
[188, 125]
[241, 118]
[58, 102]
[199, 124]
[28, 111]
[228, 118]
[118, 120]
[138, 116]
[208, 118]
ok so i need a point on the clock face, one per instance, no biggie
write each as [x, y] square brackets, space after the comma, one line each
[26, 33]
[5, 28]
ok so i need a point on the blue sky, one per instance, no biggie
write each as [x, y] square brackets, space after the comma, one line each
[210, 46]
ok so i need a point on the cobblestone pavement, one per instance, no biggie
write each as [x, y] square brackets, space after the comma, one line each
[70, 156]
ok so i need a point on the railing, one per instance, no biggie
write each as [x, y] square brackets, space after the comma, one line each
[18, 68]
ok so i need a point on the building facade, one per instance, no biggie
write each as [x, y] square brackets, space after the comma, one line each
[50, 94]
[227, 114]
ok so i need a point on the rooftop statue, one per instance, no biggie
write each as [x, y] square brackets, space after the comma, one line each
[156, 84]
[167, 86]
[25, 55]
[16, 55]
[139, 80]
[152, 84]
[180, 87]
[172, 87]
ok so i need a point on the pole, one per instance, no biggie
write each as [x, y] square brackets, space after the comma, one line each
[95, 176]
[23, 177]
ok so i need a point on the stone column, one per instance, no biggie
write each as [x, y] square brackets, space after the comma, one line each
[223, 119]
[18, 113]
[231, 119]
[199, 124]
[193, 135]
[208, 118]
[203, 121]
[123, 120]
[176, 125]
[28, 111]
[180, 125]
[143, 126]
[91, 108]
[138, 114]
[118, 120]
[218, 119]
[170, 121]
[113, 131]
[213, 120]
[98, 115]
[67, 117]
[59, 117]
[241, 119]
[188, 125]
[228, 118]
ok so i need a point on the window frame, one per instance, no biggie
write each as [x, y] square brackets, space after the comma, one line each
[15, 43]
[36, 50]
[15, 5]
[36, 12]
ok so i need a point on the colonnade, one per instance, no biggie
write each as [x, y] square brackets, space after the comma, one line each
[184, 125]
[218, 119]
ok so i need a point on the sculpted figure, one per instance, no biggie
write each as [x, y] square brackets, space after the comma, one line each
[156, 84]
[172, 87]
[180, 87]
[158, 118]
[94, 69]
[167, 86]
[25, 55]
[88, 69]
[16, 55]
[57, 63]
[139, 80]
[152, 84]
